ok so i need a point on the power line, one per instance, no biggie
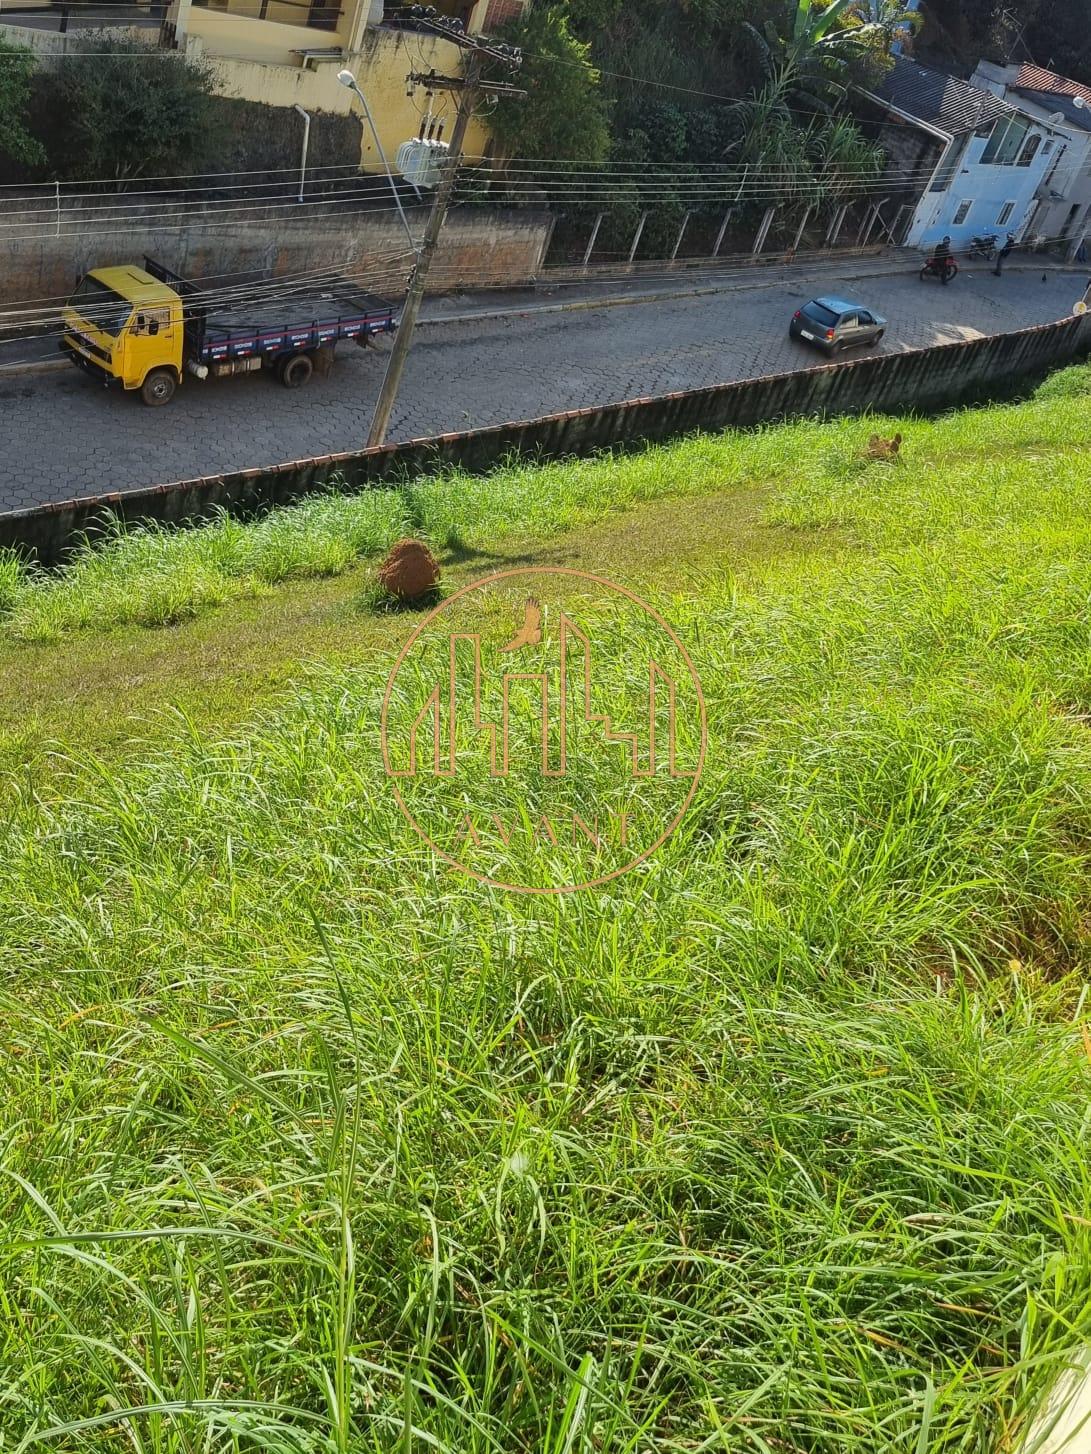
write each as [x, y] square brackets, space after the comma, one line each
[352, 173]
[757, 186]
[743, 264]
[504, 180]
[51, 224]
[54, 327]
[188, 176]
[157, 224]
[285, 278]
[721, 269]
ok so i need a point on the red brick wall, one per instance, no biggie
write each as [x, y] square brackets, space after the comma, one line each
[501, 11]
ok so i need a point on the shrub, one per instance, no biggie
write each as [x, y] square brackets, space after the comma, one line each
[16, 75]
[126, 112]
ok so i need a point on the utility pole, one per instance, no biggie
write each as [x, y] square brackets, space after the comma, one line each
[470, 87]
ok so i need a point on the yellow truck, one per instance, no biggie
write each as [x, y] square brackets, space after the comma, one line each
[146, 329]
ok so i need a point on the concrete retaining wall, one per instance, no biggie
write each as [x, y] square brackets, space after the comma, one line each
[922, 379]
[480, 247]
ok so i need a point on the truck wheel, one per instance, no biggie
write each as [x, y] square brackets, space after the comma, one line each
[296, 371]
[158, 388]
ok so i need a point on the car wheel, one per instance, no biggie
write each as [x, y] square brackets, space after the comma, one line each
[158, 388]
[879, 335]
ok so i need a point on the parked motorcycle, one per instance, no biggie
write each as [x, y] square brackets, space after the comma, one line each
[983, 247]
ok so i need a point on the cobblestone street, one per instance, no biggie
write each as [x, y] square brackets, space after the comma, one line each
[61, 436]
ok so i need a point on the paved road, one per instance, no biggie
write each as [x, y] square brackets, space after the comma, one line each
[61, 436]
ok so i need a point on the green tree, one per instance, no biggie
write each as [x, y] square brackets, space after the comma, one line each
[16, 75]
[127, 114]
[564, 113]
[769, 147]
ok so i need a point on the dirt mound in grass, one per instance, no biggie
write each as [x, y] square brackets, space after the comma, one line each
[409, 571]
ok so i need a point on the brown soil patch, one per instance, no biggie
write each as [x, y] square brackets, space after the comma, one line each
[409, 571]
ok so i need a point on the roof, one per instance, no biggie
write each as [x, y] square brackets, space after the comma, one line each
[939, 99]
[1062, 102]
[838, 305]
[1037, 78]
[135, 285]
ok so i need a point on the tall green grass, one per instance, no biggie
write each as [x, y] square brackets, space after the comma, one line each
[778, 1143]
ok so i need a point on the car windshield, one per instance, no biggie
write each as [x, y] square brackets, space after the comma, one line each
[100, 305]
[821, 314]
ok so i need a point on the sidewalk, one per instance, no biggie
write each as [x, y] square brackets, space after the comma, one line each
[40, 355]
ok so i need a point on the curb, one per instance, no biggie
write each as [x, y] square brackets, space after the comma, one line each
[736, 286]
[626, 300]
[47, 366]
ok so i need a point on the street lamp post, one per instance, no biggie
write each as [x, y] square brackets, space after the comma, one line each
[349, 81]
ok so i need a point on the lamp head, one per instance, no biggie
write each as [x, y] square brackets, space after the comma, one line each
[347, 79]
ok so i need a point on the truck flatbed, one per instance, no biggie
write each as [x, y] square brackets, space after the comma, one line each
[300, 322]
[296, 322]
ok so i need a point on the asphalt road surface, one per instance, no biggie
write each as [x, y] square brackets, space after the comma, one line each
[61, 436]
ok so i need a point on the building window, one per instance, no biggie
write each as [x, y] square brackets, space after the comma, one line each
[961, 213]
[1030, 147]
[1005, 213]
[1004, 141]
[949, 164]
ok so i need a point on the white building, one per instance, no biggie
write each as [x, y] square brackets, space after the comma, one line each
[978, 162]
[1063, 213]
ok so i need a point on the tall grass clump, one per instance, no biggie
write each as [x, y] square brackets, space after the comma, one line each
[13, 579]
[779, 1142]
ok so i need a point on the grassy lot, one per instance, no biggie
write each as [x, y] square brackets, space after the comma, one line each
[780, 1142]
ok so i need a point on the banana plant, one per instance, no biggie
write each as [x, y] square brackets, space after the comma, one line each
[896, 17]
[810, 54]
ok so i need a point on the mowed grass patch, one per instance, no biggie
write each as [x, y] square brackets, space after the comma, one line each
[104, 688]
[781, 1142]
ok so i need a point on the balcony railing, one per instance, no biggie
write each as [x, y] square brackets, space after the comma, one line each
[316, 16]
[60, 15]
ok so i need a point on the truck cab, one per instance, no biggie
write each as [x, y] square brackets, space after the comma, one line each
[127, 328]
